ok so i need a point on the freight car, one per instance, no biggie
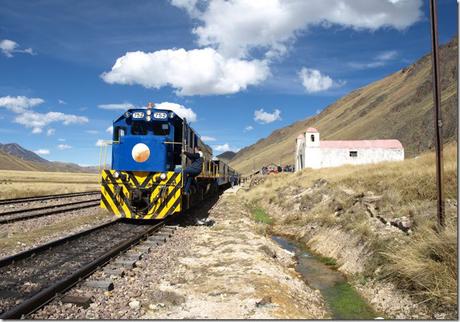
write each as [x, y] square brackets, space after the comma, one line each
[146, 177]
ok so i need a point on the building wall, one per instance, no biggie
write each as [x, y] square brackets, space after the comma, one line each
[328, 157]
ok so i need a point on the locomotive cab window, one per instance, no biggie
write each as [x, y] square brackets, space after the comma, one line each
[139, 128]
[118, 133]
[160, 128]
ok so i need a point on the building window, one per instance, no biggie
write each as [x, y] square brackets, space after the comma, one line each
[312, 138]
[354, 154]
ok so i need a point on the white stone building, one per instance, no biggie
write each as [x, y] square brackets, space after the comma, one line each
[316, 154]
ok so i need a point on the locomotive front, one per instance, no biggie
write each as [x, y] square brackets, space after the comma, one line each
[145, 179]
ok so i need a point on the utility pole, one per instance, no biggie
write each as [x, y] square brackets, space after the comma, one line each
[437, 114]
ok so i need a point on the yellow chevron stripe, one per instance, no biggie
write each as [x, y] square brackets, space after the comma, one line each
[155, 193]
[126, 213]
[153, 213]
[171, 202]
[111, 203]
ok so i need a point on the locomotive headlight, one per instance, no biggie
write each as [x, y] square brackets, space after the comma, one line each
[116, 174]
[148, 118]
[149, 112]
[171, 115]
[140, 152]
[163, 176]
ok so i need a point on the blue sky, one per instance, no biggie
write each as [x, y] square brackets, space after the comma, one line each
[220, 63]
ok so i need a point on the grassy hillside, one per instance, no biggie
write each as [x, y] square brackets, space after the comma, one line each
[396, 107]
[371, 205]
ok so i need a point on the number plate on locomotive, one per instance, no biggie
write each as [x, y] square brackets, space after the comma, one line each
[160, 115]
[138, 115]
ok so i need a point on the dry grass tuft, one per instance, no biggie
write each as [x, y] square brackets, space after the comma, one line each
[427, 264]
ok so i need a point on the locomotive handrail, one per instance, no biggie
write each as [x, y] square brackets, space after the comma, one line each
[173, 142]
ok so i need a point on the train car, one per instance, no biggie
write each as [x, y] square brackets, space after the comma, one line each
[146, 177]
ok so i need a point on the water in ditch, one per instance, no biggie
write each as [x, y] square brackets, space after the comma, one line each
[342, 300]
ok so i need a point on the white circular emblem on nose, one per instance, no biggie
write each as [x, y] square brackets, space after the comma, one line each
[141, 152]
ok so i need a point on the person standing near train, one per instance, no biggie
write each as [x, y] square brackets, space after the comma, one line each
[194, 169]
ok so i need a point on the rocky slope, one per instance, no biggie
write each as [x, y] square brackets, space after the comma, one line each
[397, 107]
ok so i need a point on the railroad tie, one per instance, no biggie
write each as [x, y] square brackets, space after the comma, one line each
[106, 285]
[144, 248]
[133, 256]
[83, 301]
[166, 234]
[125, 263]
[157, 238]
[115, 271]
[170, 227]
[169, 230]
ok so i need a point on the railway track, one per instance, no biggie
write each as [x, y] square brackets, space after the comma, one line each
[24, 214]
[32, 278]
[47, 197]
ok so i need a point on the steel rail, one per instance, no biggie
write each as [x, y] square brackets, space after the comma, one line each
[26, 210]
[46, 295]
[47, 197]
[92, 203]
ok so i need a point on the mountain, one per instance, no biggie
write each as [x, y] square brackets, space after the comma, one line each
[226, 156]
[399, 106]
[15, 157]
[23, 154]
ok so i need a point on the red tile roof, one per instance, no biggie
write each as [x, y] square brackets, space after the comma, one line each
[361, 144]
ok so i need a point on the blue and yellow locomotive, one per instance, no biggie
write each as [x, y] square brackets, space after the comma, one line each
[146, 177]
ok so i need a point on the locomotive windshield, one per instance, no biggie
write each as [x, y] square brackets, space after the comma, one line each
[155, 128]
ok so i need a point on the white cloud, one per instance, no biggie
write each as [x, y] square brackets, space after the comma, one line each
[100, 142]
[8, 47]
[37, 121]
[64, 146]
[380, 60]
[92, 131]
[208, 138]
[387, 55]
[224, 147]
[248, 128]
[264, 117]
[182, 111]
[193, 72]
[117, 106]
[314, 81]
[237, 26]
[42, 151]
[62, 102]
[109, 129]
[19, 104]
[50, 132]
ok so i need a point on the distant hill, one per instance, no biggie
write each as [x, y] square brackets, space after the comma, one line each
[226, 156]
[398, 106]
[23, 154]
[15, 157]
